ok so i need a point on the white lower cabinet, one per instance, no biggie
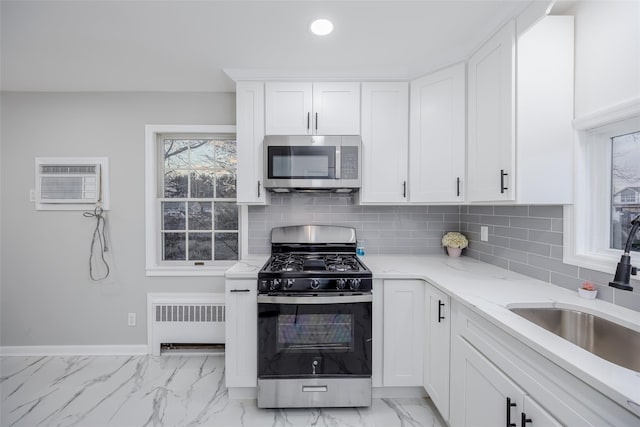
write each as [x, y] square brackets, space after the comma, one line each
[485, 396]
[241, 329]
[497, 380]
[437, 334]
[403, 325]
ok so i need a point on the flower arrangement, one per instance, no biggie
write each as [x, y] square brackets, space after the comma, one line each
[453, 239]
[588, 286]
[587, 290]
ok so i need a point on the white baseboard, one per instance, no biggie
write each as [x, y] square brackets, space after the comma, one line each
[398, 392]
[74, 350]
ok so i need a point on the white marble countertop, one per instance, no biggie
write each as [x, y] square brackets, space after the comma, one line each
[490, 291]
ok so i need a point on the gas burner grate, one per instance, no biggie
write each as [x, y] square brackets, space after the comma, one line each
[287, 262]
[341, 263]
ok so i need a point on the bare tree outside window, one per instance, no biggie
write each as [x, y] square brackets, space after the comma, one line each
[198, 199]
[625, 187]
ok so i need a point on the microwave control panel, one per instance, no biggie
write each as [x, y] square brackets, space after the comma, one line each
[349, 162]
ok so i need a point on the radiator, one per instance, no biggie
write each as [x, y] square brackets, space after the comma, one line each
[184, 318]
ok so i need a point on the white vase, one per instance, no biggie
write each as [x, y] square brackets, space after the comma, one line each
[454, 252]
[584, 293]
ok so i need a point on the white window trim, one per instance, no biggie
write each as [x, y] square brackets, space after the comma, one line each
[586, 222]
[153, 267]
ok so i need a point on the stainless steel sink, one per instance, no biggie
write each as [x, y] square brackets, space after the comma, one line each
[606, 339]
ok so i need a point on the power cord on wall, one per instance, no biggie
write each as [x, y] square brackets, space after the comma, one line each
[99, 238]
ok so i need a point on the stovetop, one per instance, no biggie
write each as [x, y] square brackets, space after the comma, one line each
[325, 272]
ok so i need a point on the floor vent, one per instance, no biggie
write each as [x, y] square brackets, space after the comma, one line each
[185, 319]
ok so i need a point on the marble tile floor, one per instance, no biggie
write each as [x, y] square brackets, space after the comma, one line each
[171, 390]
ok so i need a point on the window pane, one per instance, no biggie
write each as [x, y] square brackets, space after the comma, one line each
[202, 154]
[176, 154]
[173, 216]
[175, 184]
[226, 246]
[625, 181]
[202, 184]
[200, 246]
[226, 216]
[199, 215]
[226, 184]
[173, 246]
[226, 164]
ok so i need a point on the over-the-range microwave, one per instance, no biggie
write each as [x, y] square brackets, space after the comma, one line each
[312, 163]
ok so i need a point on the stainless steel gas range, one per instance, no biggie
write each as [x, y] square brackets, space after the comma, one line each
[314, 320]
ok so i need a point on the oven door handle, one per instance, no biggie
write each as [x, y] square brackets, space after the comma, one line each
[344, 299]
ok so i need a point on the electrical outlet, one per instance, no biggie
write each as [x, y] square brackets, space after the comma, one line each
[484, 233]
[131, 319]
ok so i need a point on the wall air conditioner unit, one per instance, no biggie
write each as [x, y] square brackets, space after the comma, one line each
[71, 183]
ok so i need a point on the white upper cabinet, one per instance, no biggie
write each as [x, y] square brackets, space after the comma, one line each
[385, 129]
[437, 137]
[491, 118]
[249, 140]
[303, 108]
[540, 169]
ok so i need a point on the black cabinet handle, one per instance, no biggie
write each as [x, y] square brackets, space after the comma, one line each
[524, 420]
[308, 120]
[502, 175]
[404, 189]
[440, 316]
[258, 189]
[316, 122]
[509, 406]
[458, 187]
[240, 290]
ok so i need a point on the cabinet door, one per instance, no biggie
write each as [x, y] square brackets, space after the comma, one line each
[437, 139]
[403, 330]
[481, 395]
[436, 348]
[385, 114]
[533, 415]
[241, 329]
[249, 141]
[336, 109]
[491, 156]
[288, 108]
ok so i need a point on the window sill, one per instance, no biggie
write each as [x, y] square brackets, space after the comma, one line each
[186, 271]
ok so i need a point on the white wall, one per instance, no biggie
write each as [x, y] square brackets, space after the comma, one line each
[607, 53]
[46, 295]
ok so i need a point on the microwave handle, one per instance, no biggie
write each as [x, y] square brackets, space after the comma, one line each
[338, 162]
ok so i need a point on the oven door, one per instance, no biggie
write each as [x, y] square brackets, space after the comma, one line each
[314, 336]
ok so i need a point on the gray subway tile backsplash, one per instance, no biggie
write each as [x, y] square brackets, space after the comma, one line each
[524, 239]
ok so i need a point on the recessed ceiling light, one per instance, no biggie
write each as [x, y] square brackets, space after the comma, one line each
[321, 27]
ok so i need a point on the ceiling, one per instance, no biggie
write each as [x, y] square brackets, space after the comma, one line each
[167, 45]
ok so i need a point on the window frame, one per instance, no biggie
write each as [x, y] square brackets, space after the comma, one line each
[587, 223]
[154, 266]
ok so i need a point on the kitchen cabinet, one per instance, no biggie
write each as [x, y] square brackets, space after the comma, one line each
[403, 325]
[540, 78]
[437, 137]
[487, 397]
[249, 141]
[488, 366]
[437, 336]
[385, 149]
[304, 108]
[241, 323]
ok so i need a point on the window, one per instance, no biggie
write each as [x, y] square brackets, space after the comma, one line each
[606, 189]
[192, 216]
[625, 187]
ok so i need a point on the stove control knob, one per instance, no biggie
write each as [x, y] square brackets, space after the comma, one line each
[341, 283]
[315, 283]
[354, 283]
[275, 285]
[288, 283]
[263, 285]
